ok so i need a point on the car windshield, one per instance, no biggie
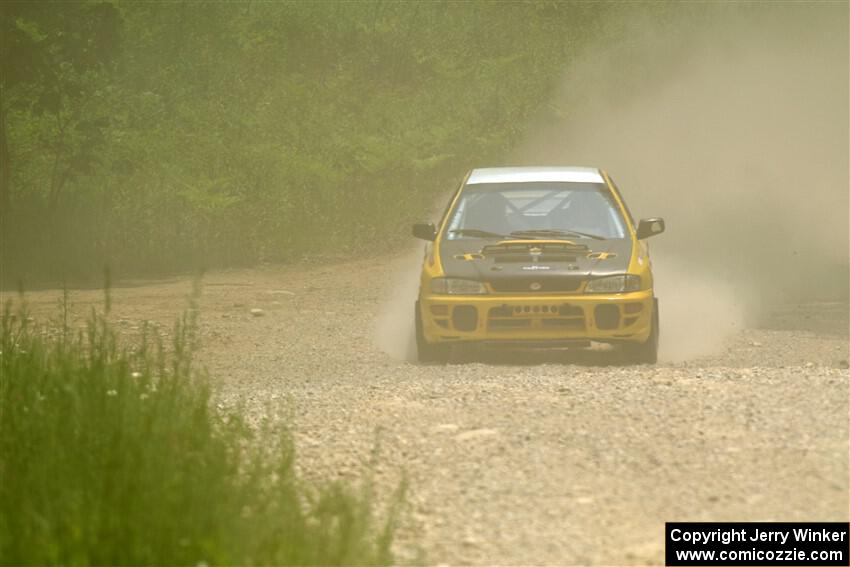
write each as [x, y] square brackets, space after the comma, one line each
[548, 207]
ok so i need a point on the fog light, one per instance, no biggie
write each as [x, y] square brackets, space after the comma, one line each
[607, 316]
[465, 318]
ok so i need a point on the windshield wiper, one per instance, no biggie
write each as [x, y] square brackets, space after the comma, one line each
[477, 232]
[556, 232]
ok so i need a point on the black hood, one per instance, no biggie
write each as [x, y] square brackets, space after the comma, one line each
[550, 265]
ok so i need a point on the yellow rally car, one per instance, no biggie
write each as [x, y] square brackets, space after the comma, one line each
[537, 257]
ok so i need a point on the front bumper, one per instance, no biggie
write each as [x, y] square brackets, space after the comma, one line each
[517, 318]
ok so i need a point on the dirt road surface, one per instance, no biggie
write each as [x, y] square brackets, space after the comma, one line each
[545, 458]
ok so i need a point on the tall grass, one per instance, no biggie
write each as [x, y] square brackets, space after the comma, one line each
[113, 455]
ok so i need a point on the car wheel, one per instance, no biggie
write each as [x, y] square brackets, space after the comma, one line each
[647, 351]
[425, 351]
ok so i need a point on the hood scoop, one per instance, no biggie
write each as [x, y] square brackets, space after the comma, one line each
[524, 251]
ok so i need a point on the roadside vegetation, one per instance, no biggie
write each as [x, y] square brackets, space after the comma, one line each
[164, 137]
[112, 455]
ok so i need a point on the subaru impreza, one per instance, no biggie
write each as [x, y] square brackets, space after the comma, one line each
[537, 257]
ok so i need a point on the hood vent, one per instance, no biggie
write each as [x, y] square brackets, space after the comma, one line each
[534, 248]
[526, 258]
[548, 252]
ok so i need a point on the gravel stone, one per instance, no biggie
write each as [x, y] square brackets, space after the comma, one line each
[544, 458]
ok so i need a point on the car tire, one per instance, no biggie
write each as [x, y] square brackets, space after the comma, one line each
[425, 351]
[647, 351]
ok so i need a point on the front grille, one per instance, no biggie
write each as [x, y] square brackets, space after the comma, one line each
[567, 310]
[563, 310]
[508, 323]
[525, 284]
[564, 323]
[504, 311]
[506, 317]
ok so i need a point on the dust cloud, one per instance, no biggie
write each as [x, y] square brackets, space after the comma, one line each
[732, 124]
[394, 330]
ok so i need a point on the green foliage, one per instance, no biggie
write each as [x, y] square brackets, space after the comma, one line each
[189, 135]
[117, 457]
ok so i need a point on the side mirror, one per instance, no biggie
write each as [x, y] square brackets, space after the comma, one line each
[649, 227]
[425, 231]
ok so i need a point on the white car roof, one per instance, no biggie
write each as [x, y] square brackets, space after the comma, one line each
[530, 174]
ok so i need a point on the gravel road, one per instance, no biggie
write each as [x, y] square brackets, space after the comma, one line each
[545, 458]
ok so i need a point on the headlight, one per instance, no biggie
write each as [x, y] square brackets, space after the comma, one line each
[456, 286]
[613, 284]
